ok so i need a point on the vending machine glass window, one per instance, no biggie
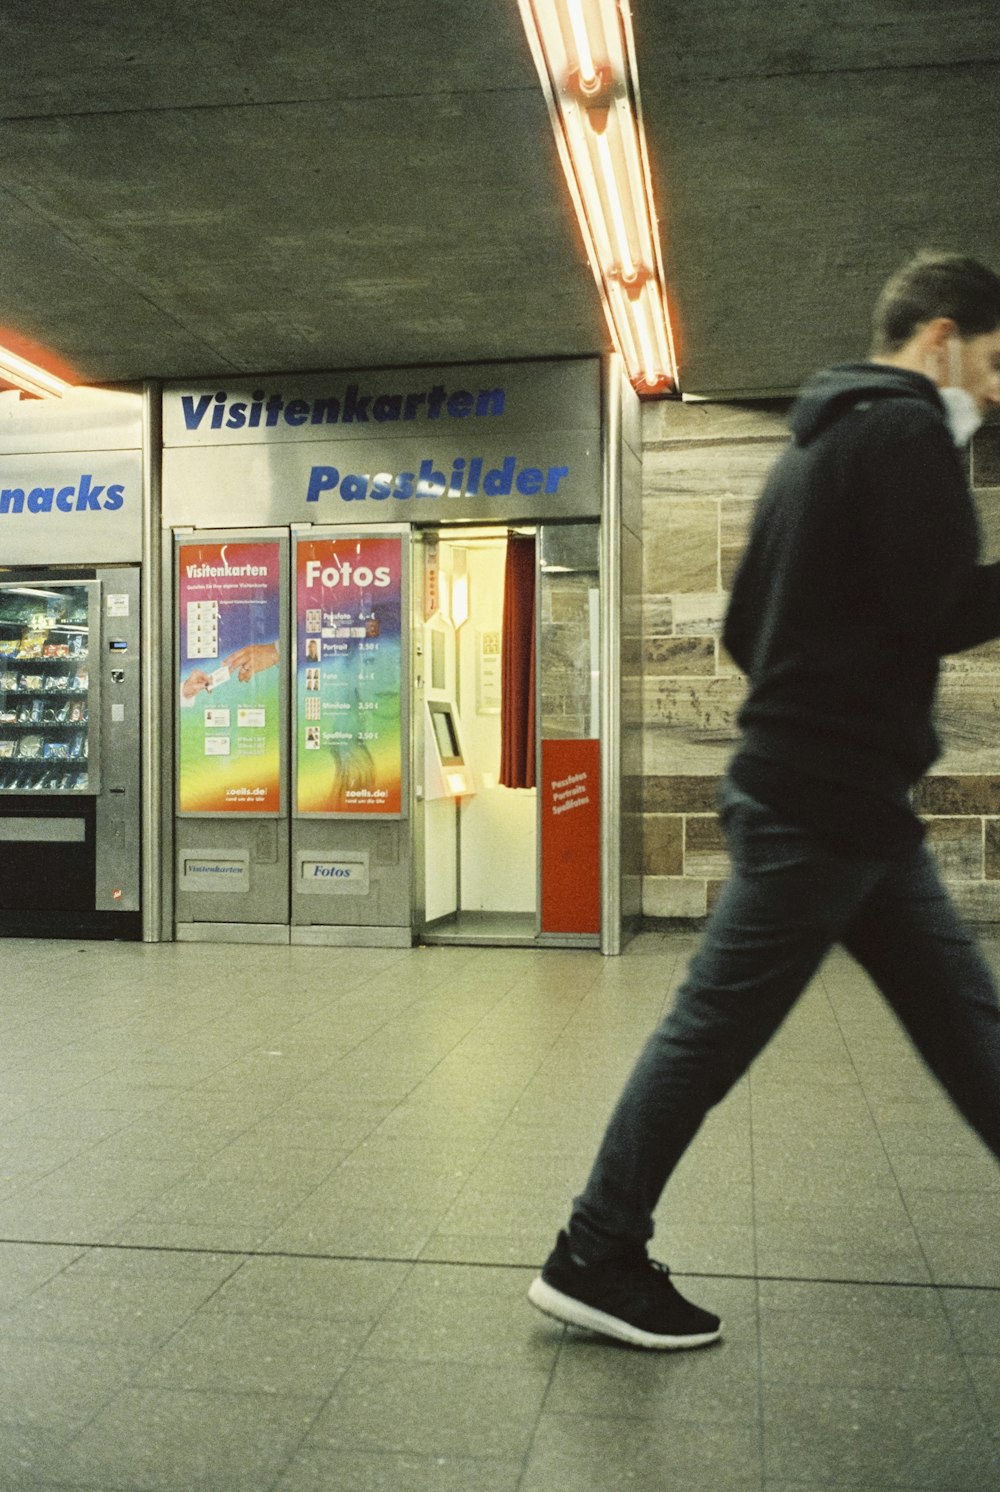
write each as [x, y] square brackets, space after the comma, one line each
[47, 709]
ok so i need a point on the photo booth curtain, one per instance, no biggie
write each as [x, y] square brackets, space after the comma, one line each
[517, 666]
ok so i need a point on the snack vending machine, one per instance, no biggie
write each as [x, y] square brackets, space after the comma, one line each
[69, 752]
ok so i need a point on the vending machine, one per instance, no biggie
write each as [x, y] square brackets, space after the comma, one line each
[69, 752]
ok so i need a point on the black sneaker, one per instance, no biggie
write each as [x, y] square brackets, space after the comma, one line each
[630, 1298]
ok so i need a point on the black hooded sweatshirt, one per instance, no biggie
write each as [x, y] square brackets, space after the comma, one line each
[860, 571]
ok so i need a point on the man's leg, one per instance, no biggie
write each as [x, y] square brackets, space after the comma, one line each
[786, 901]
[911, 941]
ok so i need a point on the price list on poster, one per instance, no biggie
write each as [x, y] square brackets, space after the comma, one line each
[349, 747]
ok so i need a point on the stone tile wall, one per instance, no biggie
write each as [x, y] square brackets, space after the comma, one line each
[704, 465]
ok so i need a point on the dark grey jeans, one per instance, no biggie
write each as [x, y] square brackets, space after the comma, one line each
[789, 898]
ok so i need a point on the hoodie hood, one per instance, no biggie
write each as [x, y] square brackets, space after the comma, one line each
[836, 390]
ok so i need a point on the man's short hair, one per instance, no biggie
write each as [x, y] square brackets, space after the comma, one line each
[936, 285]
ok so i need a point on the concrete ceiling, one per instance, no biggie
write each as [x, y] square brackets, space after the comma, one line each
[194, 190]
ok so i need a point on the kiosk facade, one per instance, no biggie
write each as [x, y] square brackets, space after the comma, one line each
[342, 561]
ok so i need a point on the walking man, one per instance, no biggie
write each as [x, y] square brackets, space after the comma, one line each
[860, 572]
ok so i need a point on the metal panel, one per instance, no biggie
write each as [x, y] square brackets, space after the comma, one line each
[232, 932]
[30, 830]
[118, 664]
[260, 891]
[611, 593]
[383, 845]
[352, 937]
[85, 419]
[155, 728]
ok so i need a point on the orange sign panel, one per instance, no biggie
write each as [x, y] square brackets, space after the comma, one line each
[571, 836]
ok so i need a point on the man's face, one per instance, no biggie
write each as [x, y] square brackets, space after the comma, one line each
[981, 368]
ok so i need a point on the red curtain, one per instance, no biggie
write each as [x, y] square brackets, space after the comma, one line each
[517, 666]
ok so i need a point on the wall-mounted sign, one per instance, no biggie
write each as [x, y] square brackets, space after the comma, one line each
[479, 400]
[229, 679]
[349, 675]
[390, 446]
[71, 481]
[570, 793]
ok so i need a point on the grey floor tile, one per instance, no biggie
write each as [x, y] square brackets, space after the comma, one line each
[715, 1385]
[771, 1485]
[433, 1409]
[385, 1232]
[39, 1217]
[975, 1318]
[455, 1314]
[795, 1305]
[529, 1246]
[512, 1213]
[985, 1373]
[113, 1296]
[256, 1202]
[31, 1456]
[905, 1352]
[970, 1211]
[584, 1453]
[151, 1440]
[24, 1267]
[958, 1167]
[315, 1289]
[318, 1469]
[835, 1433]
[317, 1121]
[241, 1354]
[56, 1386]
[966, 1257]
[803, 1251]
[702, 1245]
[196, 1237]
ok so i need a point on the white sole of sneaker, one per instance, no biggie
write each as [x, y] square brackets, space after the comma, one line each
[574, 1313]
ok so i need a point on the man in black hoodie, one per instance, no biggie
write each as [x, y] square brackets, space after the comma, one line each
[860, 572]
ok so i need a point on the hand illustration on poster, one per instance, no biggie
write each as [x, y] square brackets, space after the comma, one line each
[244, 663]
[229, 684]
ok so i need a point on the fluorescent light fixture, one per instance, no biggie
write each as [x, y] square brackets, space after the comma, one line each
[584, 51]
[29, 377]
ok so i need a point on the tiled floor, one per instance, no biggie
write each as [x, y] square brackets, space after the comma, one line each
[268, 1216]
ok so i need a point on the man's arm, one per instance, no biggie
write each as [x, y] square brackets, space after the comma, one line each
[923, 535]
